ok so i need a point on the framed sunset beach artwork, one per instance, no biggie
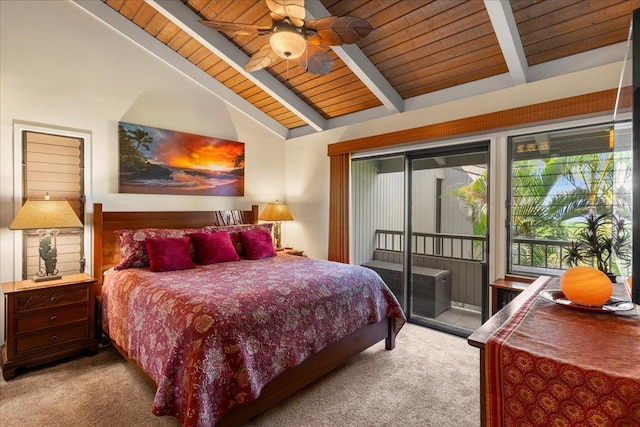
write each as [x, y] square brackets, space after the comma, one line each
[160, 161]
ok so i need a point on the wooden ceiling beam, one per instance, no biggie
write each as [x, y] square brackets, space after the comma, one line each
[506, 29]
[188, 21]
[361, 66]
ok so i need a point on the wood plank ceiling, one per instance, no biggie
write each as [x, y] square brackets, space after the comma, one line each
[418, 48]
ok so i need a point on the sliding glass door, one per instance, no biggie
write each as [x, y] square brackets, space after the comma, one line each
[432, 206]
[448, 220]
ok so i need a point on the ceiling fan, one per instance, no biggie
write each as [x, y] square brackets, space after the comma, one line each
[291, 37]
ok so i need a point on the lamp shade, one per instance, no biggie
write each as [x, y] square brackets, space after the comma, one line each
[276, 212]
[45, 214]
[287, 42]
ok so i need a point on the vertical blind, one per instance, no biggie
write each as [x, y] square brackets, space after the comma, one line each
[54, 164]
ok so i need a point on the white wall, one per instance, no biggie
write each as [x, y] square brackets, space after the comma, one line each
[307, 190]
[61, 67]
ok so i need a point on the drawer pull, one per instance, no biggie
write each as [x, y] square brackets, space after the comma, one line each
[53, 318]
[53, 338]
[53, 298]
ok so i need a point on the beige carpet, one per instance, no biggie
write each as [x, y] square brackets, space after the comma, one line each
[430, 379]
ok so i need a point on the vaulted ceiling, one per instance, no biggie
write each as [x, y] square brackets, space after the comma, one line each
[420, 52]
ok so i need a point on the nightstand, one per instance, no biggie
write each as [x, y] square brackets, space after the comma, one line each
[47, 321]
[292, 251]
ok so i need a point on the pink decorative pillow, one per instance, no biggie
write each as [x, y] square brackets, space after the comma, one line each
[211, 248]
[167, 254]
[234, 231]
[257, 244]
[133, 250]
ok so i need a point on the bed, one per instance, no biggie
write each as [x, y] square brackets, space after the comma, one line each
[219, 352]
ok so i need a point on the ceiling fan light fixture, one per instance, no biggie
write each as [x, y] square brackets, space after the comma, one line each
[287, 42]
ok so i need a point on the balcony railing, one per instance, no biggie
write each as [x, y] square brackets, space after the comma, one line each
[456, 246]
[525, 253]
[547, 254]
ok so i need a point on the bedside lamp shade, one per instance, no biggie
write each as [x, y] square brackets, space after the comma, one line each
[46, 216]
[276, 212]
[37, 214]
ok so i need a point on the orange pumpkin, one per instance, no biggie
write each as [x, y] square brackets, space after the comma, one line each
[586, 285]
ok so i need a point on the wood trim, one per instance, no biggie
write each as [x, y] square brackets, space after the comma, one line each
[582, 105]
[98, 268]
[339, 208]
[508, 284]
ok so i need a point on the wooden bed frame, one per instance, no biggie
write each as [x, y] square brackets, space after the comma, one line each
[106, 254]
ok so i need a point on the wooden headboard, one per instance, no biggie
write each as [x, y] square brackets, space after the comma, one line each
[106, 244]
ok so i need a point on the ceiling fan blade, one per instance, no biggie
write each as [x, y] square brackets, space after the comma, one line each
[293, 9]
[264, 57]
[315, 60]
[337, 30]
[235, 28]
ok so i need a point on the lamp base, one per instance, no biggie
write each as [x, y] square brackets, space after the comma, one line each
[46, 278]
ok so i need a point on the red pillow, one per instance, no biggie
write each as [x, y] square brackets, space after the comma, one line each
[133, 249]
[211, 248]
[167, 254]
[257, 244]
[234, 232]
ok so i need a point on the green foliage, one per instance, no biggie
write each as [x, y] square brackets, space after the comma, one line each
[131, 159]
[534, 212]
[132, 162]
[140, 137]
[473, 199]
[600, 238]
[539, 211]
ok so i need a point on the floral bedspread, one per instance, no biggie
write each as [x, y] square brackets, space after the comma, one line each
[213, 336]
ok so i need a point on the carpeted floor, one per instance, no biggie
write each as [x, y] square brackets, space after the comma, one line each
[430, 379]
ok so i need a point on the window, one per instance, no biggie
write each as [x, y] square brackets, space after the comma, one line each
[559, 178]
[54, 164]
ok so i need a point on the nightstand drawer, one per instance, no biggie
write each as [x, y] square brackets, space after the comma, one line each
[47, 321]
[40, 299]
[52, 319]
[51, 337]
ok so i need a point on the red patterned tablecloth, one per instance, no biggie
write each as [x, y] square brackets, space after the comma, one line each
[554, 366]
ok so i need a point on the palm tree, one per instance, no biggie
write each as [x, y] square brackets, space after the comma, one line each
[131, 160]
[548, 195]
[238, 161]
[592, 178]
[140, 137]
[473, 199]
[534, 210]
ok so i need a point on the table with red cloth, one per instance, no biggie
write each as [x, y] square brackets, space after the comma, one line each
[550, 365]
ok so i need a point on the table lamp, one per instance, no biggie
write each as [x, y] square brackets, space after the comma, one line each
[276, 212]
[46, 216]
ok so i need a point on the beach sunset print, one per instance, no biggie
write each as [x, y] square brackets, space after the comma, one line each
[160, 161]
